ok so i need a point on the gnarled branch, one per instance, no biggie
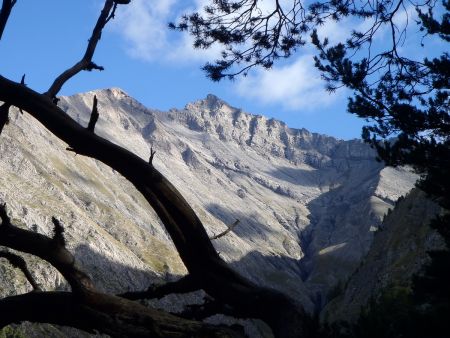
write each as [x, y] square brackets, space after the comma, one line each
[184, 285]
[283, 315]
[5, 12]
[49, 249]
[229, 228]
[86, 63]
[108, 314]
[191, 240]
[85, 308]
[19, 262]
[94, 116]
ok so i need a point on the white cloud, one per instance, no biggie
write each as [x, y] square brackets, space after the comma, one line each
[143, 25]
[183, 50]
[296, 86]
[336, 31]
[405, 16]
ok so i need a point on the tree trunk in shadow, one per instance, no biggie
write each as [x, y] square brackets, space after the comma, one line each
[212, 274]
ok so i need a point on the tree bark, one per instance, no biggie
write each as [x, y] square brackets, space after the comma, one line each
[111, 315]
[85, 308]
[5, 11]
[286, 318]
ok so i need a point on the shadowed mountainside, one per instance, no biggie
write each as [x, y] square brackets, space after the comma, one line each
[308, 204]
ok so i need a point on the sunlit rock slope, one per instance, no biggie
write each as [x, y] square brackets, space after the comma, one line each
[307, 204]
[398, 251]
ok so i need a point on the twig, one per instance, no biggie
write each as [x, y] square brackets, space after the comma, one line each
[86, 63]
[4, 14]
[58, 235]
[45, 248]
[20, 263]
[22, 82]
[183, 285]
[230, 228]
[152, 154]
[4, 118]
[94, 116]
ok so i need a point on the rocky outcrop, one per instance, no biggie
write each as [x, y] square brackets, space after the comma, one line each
[399, 250]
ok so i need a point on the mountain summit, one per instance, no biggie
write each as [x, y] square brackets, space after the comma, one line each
[307, 204]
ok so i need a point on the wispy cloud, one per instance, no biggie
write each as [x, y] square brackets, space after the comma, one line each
[144, 28]
[296, 86]
[336, 31]
[143, 25]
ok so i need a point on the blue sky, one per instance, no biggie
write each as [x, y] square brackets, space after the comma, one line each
[159, 68]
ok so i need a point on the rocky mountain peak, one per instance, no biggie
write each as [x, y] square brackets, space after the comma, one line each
[217, 118]
[116, 92]
[306, 202]
[211, 104]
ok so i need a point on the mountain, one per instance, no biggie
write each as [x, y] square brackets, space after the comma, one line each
[398, 252]
[308, 205]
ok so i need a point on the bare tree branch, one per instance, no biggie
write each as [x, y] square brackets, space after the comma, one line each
[50, 249]
[206, 268]
[5, 13]
[230, 228]
[4, 118]
[84, 308]
[94, 116]
[184, 285]
[209, 308]
[152, 154]
[86, 63]
[283, 315]
[19, 262]
[108, 314]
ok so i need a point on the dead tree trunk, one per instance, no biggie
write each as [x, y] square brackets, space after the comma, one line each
[207, 270]
[205, 266]
[85, 307]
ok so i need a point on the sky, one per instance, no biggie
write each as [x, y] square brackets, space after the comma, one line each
[160, 68]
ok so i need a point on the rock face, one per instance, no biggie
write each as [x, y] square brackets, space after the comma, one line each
[307, 204]
[398, 251]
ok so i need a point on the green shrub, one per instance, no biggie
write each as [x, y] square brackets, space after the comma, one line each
[11, 332]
